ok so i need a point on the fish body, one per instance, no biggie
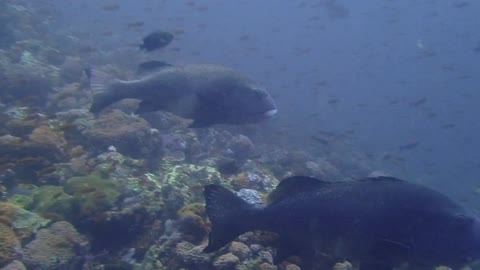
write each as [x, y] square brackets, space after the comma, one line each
[378, 222]
[208, 94]
[151, 66]
[156, 40]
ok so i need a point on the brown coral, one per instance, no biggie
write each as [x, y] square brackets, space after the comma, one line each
[7, 211]
[8, 240]
[129, 134]
[8, 243]
[54, 247]
[192, 222]
[32, 158]
[48, 138]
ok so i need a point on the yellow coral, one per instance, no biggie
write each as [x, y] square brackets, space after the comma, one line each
[7, 244]
[7, 212]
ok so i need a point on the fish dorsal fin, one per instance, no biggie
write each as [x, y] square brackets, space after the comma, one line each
[294, 185]
[381, 178]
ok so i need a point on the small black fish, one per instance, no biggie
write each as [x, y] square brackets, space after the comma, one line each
[419, 102]
[319, 139]
[228, 167]
[409, 146]
[447, 126]
[151, 66]
[156, 40]
[378, 222]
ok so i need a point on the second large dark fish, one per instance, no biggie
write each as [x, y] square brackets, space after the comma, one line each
[378, 222]
[208, 94]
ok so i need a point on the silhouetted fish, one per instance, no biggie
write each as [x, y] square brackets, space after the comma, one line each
[378, 222]
[419, 102]
[409, 146]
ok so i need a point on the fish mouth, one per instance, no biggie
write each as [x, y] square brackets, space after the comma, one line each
[270, 113]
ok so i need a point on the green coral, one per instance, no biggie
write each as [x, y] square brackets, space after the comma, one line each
[48, 201]
[27, 223]
[52, 202]
[93, 194]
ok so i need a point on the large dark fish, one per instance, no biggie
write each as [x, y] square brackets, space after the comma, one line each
[377, 222]
[156, 40]
[208, 94]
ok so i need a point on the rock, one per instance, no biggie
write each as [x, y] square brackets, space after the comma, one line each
[343, 266]
[251, 196]
[266, 266]
[240, 250]
[292, 267]
[192, 255]
[242, 148]
[54, 247]
[266, 256]
[226, 261]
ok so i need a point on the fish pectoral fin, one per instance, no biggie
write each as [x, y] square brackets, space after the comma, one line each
[287, 248]
[283, 252]
[146, 106]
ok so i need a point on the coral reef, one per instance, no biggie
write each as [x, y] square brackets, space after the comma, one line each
[92, 194]
[129, 134]
[54, 247]
[32, 159]
[192, 222]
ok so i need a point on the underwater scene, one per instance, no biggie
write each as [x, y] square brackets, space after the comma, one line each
[239, 134]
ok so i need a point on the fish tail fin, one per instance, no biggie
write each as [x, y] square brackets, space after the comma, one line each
[99, 80]
[106, 89]
[229, 214]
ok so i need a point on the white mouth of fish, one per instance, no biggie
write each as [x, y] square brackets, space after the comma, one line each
[270, 113]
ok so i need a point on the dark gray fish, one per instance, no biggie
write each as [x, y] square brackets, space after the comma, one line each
[409, 146]
[208, 94]
[228, 167]
[378, 223]
[151, 66]
[156, 40]
[419, 102]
